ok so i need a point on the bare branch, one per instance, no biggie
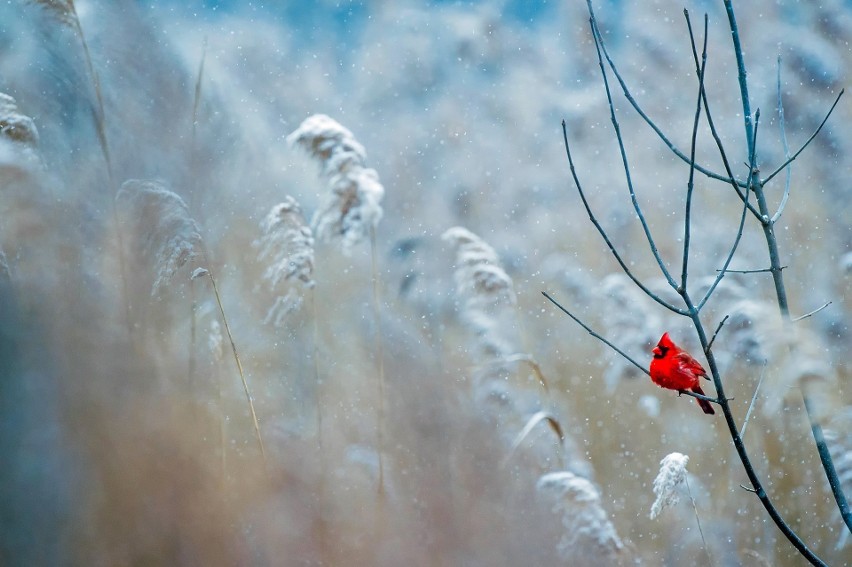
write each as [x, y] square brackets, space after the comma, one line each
[626, 165]
[716, 332]
[690, 186]
[736, 185]
[739, 229]
[768, 505]
[807, 142]
[698, 396]
[603, 233]
[814, 312]
[761, 271]
[828, 464]
[646, 118]
[596, 335]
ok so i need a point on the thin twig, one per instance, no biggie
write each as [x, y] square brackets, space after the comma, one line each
[814, 312]
[781, 126]
[690, 185]
[698, 396]
[828, 465]
[736, 185]
[603, 233]
[730, 257]
[807, 142]
[764, 270]
[753, 399]
[647, 119]
[723, 154]
[752, 168]
[626, 166]
[716, 332]
[597, 335]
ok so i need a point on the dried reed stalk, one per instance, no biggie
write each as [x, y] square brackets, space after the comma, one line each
[349, 214]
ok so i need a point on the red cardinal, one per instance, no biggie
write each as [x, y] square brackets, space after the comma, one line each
[675, 369]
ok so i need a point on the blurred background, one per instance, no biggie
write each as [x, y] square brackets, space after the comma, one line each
[125, 437]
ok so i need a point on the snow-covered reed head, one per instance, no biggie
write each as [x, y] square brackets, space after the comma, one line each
[18, 139]
[670, 478]
[286, 246]
[482, 287]
[166, 236]
[353, 206]
[15, 126]
[586, 524]
[330, 143]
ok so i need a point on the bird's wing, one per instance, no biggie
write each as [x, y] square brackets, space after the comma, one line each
[688, 363]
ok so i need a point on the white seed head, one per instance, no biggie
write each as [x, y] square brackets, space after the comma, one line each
[15, 126]
[286, 247]
[672, 474]
[483, 289]
[352, 207]
[165, 235]
[585, 521]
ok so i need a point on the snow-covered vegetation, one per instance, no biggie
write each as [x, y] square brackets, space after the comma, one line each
[371, 197]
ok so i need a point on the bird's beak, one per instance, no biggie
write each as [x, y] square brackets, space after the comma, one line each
[657, 351]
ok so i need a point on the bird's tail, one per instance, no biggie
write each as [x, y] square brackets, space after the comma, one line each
[705, 405]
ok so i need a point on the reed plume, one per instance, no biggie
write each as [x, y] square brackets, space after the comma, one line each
[484, 290]
[166, 235]
[65, 12]
[286, 247]
[586, 525]
[15, 126]
[352, 208]
[349, 213]
[670, 478]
